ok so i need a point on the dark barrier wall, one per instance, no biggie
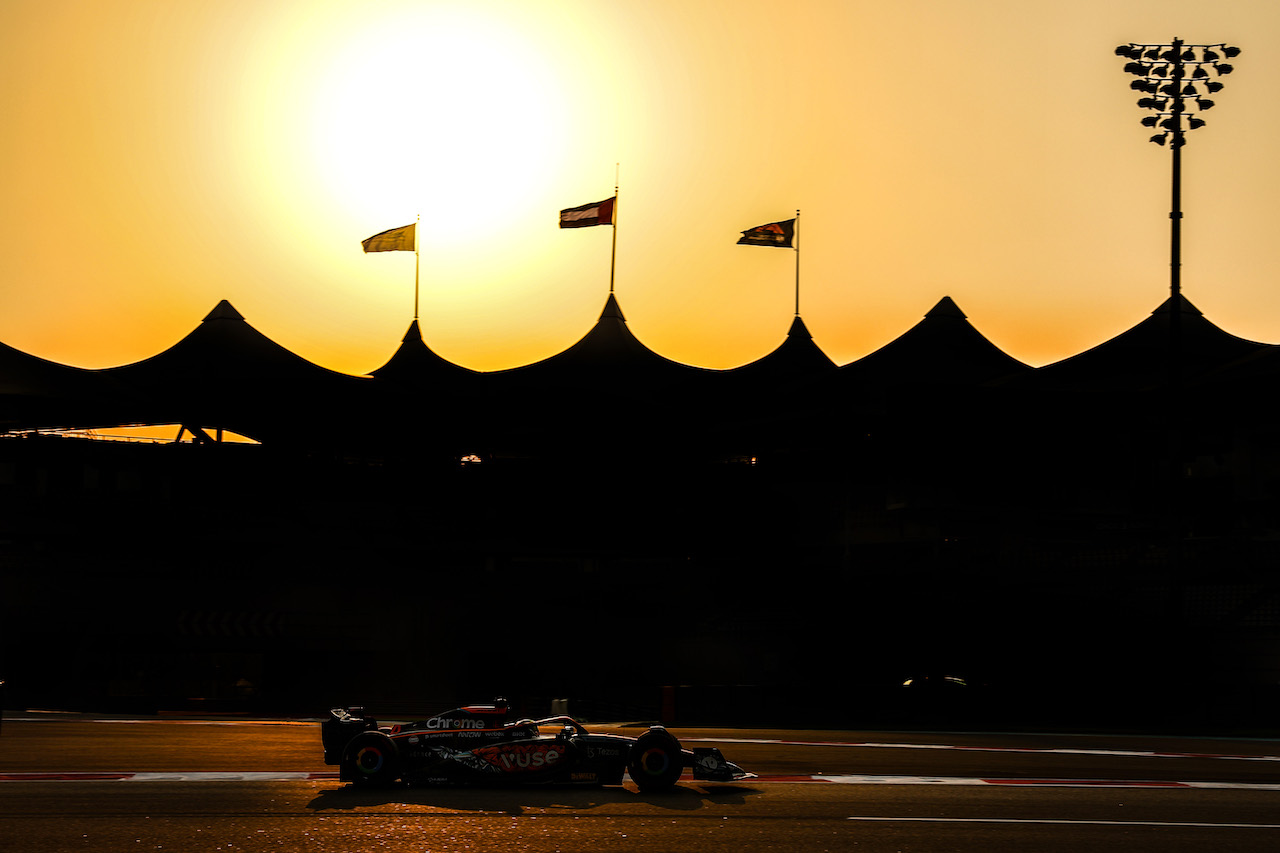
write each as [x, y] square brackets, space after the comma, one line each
[802, 588]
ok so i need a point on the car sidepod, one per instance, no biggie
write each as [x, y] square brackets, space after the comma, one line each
[582, 760]
[598, 760]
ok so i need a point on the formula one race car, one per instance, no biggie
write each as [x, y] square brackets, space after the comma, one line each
[477, 745]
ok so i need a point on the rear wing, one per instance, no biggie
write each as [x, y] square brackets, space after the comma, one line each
[337, 731]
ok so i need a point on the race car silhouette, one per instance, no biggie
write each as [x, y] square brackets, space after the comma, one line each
[478, 745]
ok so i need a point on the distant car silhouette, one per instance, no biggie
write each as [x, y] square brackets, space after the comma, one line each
[935, 681]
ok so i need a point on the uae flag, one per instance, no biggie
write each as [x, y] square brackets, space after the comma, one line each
[773, 234]
[400, 239]
[596, 213]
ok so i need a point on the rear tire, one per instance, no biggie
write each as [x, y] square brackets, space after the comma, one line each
[371, 759]
[656, 761]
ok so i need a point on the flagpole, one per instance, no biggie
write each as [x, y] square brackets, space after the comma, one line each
[416, 263]
[613, 253]
[796, 234]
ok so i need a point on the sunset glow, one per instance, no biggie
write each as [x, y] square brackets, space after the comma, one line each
[161, 156]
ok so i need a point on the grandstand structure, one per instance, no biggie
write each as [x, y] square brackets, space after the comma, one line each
[1104, 526]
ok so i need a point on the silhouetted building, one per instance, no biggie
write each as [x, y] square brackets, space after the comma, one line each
[1084, 539]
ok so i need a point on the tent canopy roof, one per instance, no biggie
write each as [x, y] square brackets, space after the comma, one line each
[943, 348]
[415, 363]
[609, 352]
[1142, 356]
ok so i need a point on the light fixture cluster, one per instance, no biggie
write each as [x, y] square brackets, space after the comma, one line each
[1172, 76]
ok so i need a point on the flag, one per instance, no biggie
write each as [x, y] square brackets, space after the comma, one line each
[401, 239]
[773, 234]
[596, 213]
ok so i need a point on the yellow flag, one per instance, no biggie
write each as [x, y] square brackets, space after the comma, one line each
[403, 239]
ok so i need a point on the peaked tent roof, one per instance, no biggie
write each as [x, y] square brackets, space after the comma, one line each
[776, 384]
[757, 409]
[416, 364]
[1141, 356]
[419, 393]
[609, 352]
[608, 387]
[226, 373]
[223, 347]
[942, 349]
[796, 358]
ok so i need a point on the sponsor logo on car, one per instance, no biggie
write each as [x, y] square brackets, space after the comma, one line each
[595, 751]
[446, 723]
[519, 757]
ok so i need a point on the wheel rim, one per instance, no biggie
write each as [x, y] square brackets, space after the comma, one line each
[654, 761]
[369, 760]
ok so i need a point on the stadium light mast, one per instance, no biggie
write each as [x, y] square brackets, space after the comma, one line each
[1171, 77]
[1174, 80]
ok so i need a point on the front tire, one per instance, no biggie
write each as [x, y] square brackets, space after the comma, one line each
[656, 761]
[371, 759]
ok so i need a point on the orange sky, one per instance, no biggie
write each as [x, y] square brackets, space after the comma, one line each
[159, 156]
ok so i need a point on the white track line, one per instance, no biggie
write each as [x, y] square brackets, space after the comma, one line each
[1177, 824]
[1041, 783]
[332, 776]
[1121, 753]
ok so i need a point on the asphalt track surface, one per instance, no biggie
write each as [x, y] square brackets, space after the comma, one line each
[196, 785]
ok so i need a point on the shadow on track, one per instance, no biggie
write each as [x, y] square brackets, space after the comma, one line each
[516, 801]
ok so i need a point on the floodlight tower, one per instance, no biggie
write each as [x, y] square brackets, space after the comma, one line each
[1174, 79]
[1171, 76]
